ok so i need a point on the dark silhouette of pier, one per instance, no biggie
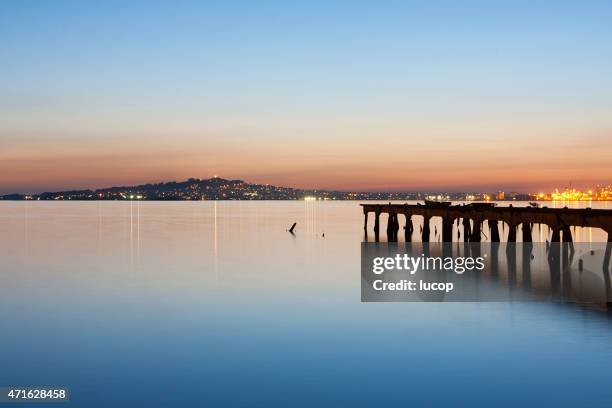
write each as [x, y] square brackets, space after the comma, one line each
[471, 219]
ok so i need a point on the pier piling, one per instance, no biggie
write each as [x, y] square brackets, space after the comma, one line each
[408, 229]
[472, 216]
[494, 229]
[526, 229]
[426, 230]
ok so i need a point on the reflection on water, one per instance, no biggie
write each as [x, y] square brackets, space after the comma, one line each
[216, 304]
[565, 272]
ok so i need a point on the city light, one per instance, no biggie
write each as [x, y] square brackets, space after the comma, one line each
[597, 194]
[222, 189]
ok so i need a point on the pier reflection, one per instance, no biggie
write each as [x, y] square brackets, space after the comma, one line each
[562, 272]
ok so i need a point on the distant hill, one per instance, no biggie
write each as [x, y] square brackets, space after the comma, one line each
[217, 188]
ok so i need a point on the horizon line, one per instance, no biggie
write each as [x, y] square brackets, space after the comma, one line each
[481, 190]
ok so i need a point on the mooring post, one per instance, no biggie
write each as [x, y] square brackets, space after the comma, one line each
[409, 228]
[376, 224]
[447, 229]
[396, 225]
[511, 232]
[567, 234]
[476, 230]
[556, 234]
[467, 230]
[606, 262]
[526, 228]
[493, 227]
[392, 227]
[426, 229]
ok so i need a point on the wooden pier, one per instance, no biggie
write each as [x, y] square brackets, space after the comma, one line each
[471, 217]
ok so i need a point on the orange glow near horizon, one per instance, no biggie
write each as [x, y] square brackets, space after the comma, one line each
[359, 97]
[361, 154]
[365, 166]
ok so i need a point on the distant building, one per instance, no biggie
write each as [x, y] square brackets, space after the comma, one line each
[500, 196]
[523, 197]
[512, 195]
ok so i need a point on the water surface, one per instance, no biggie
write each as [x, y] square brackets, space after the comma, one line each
[216, 304]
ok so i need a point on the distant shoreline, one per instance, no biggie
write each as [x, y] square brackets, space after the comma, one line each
[219, 189]
[287, 199]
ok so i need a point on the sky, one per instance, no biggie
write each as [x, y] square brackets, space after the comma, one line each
[349, 95]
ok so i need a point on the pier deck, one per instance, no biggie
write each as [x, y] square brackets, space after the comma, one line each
[472, 216]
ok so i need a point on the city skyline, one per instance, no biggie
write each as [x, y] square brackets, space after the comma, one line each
[218, 188]
[324, 95]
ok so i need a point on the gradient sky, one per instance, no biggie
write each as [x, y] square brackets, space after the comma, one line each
[345, 95]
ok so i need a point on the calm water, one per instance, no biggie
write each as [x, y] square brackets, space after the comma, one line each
[215, 304]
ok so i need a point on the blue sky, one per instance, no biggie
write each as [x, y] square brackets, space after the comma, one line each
[416, 92]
